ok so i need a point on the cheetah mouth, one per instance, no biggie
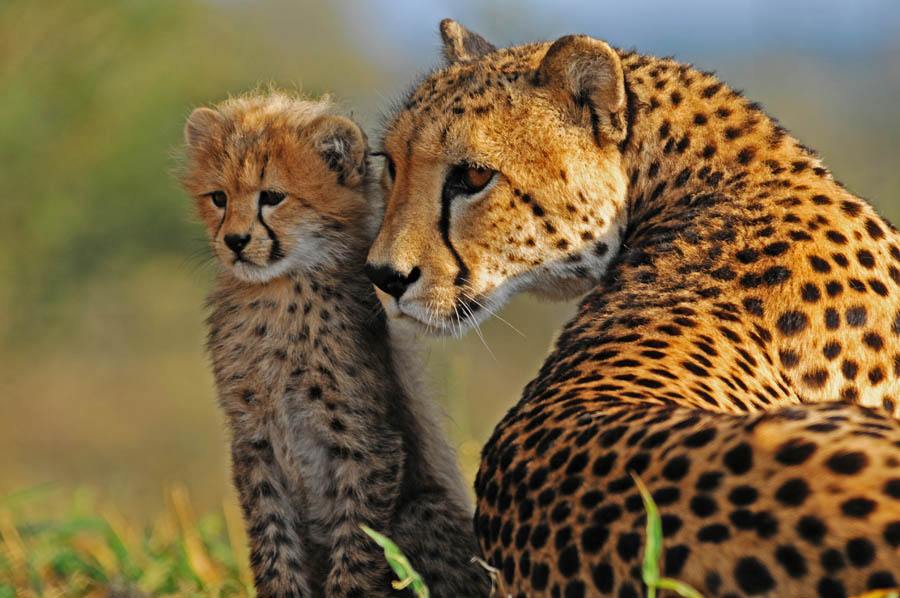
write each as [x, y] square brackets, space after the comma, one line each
[464, 313]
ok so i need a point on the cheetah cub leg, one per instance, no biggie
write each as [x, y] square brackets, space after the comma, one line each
[279, 558]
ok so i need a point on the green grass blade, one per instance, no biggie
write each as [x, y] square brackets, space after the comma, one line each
[682, 589]
[407, 576]
[653, 546]
[653, 551]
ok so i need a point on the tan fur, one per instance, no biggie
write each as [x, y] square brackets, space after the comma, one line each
[735, 282]
[328, 430]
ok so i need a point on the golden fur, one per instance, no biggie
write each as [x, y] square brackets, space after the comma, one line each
[740, 349]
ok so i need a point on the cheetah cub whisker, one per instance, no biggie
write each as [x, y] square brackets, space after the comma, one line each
[327, 433]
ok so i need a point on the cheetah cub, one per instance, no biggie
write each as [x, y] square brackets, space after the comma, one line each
[325, 434]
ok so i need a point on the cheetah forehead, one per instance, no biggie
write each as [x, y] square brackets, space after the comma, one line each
[454, 91]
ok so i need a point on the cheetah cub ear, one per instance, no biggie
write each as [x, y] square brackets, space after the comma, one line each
[586, 74]
[202, 127]
[461, 44]
[343, 147]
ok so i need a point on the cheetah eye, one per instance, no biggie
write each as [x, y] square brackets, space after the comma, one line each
[469, 179]
[218, 198]
[270, 198]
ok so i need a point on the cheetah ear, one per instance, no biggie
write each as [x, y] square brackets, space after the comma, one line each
[586, 72]
[201, 127]
[343, 146]
[461, 44]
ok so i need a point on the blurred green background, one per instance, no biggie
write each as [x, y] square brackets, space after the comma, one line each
[104, 382]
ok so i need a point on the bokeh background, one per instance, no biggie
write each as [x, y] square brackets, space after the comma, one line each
[104, 383]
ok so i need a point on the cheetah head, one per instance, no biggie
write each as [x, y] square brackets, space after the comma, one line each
[503, 174]
[279, 182]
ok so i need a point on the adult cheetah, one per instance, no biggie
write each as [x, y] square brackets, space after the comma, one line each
[740, 349]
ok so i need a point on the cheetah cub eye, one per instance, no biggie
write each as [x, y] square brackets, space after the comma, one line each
[218, 199]
[469, 179]
[270, 198]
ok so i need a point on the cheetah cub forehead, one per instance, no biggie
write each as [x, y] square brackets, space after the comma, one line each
[281, 183]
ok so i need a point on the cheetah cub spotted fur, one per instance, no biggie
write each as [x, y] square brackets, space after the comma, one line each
[325, 434]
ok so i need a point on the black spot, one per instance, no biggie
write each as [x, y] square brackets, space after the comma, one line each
[603, 577]
[789, 359]
[847, 462]
[860, 552]
[836, 237]
[831, 350]
[539, 574]
[711, 90]
[792, 561]
[831, 588]
[892, 533]
[793, 492]
[819, 265]
[713, 582]
[775, 249]
[739, 459]
[752, 576]
[743, 495]
[703, 506]
[858, 507]
[670, 524]
[604, 463]
[745, 156]
[594, 537]
[795, 452]
[866, 259]
[810, 293]
[709, 481]
[874, 230]
[699, 438]
[715, 533]
[574, 589]
[628, 546]
[676, 468]
[675, 558]
[873, 340]
[791, 323]
[569, 561]
[881, 580]
[832, 560]
[776, 275]
[811, 529]
[892, 488]
[815, 378]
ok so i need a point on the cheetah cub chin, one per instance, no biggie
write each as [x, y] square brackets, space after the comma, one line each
[325, 434]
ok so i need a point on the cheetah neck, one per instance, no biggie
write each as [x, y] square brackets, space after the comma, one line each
[691, 136]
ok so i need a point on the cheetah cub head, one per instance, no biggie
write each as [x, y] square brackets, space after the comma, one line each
[280, 183]
[503, 174]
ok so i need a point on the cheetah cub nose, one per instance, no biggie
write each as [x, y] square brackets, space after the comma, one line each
[236, 243]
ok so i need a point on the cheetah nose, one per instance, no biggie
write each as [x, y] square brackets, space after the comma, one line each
[391, 281]
[236, 243]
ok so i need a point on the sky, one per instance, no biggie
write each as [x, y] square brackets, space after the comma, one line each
[407, 30]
